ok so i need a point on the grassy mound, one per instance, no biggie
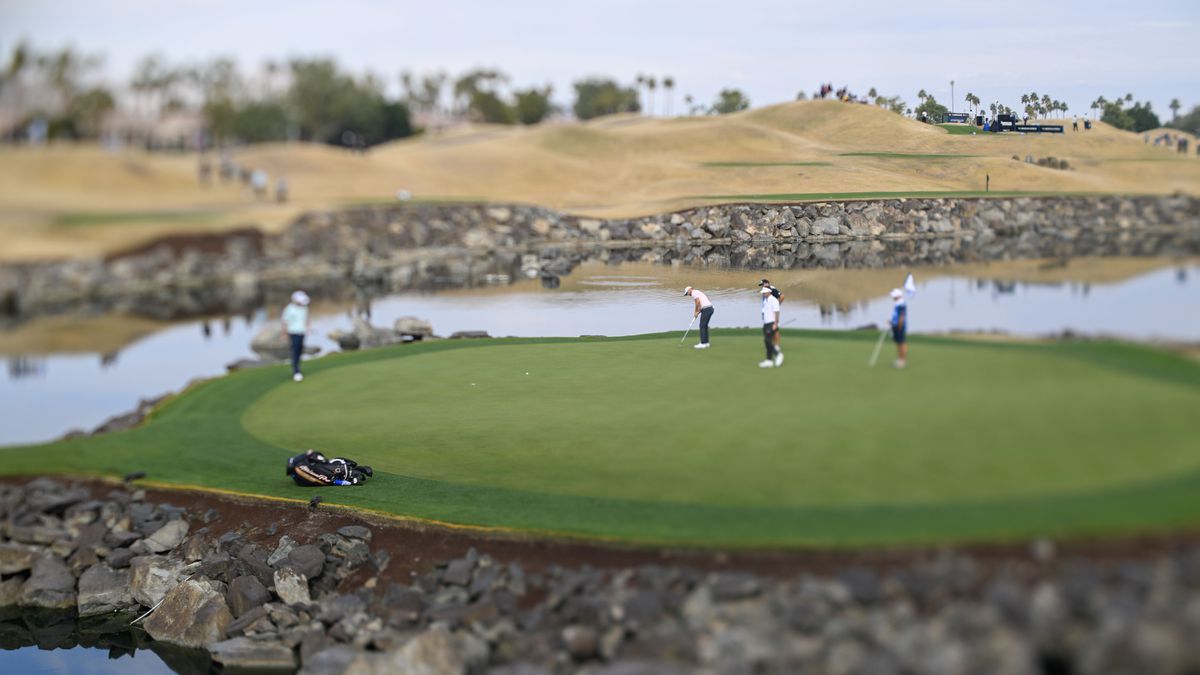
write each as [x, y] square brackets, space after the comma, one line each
[640, 440]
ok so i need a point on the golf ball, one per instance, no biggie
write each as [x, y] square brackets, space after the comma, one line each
[527, 372]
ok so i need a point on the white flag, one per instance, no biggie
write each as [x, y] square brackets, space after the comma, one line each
[910, 285]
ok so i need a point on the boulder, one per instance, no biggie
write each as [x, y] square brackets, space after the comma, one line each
[307, 560]
[291, 586]
[468, 334]
[244, 653]
[333, 660]
[245, 593]
[103, 590]
[193, 614]
[413, 327]
[373, 336]
[828, 226]
[10, 591]
[582, 642]
[286, 546]
[167, 537]
[152, 576]
[346, 341]
[50, 585]
[16, 558]
[434, 652]
[270, 343]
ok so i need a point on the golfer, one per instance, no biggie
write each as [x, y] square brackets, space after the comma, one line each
[296, 325]
[778, 295]
[704, 310]
[900, 327]
[770, 318]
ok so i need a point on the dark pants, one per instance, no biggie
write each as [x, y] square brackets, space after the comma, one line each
[705, 317]
[297, 348]
[769, 339]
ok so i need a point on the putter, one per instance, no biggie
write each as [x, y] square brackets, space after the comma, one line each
[689, 329]
[878, 346]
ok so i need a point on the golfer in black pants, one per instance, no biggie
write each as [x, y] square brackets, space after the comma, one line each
[704, 310]
[770, 318]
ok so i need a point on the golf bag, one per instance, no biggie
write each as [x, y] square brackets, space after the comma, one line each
[312, 469]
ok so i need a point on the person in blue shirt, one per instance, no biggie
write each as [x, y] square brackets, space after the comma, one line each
[900, 327]
[295, 326]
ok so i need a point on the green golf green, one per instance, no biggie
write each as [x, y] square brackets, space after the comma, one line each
[642, 440]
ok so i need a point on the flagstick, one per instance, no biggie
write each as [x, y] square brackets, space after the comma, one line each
[878, 346]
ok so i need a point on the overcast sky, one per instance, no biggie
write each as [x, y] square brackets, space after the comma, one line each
[770, 49]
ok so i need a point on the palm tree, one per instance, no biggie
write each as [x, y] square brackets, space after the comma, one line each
[872, 94]
[651, 85]
[668, 87]
[641, 80]
[1175, 106]
[921, 95]
[688, 100]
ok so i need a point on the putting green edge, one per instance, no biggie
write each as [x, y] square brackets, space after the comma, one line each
[1160, 505]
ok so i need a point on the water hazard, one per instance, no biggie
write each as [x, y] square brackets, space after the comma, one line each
[74, 373]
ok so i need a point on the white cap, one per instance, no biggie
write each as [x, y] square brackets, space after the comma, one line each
[300, 298]
[687, 291]
[765, 290]
[897, 294]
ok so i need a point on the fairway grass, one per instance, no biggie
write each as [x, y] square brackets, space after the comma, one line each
[639, 440]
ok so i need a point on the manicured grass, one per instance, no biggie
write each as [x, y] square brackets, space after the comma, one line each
[640, 440]
[965, 130]
[85, 218]
[906, 155]
[740, 165]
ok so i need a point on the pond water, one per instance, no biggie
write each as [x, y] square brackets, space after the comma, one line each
[46, 395]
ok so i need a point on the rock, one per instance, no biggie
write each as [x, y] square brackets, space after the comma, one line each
[244, 594]
[167, 537]
[413, 327]
[10, 591]
[434, 652]
[307, 560]
[828, 226]
[333, 660]
[291, 587]
[583, 642]
[730, 586]
[285, 547]
[245, 653]
[193, 614]
[103, 590]
[50, 585]
[151, 578]
[458, 572]
[346, 341]
[270, 343]
[355, 532]
[120, 558]
[469, 334]
[16, 557]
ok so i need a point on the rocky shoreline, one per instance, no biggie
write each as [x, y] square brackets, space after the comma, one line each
[426, 246]
[351, 597]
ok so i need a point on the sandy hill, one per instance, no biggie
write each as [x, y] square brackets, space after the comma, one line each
[82, 199]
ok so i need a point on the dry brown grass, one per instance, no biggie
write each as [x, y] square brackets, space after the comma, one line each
[617, 166]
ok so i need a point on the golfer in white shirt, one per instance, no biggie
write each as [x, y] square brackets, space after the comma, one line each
[770, 318]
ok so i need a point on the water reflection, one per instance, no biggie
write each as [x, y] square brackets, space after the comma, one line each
[48, 395]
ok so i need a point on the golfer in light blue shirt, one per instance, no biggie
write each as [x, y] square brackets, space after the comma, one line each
[296, 325]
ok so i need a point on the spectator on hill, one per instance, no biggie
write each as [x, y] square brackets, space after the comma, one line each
[205, 171]
[1075, 123]
[281, 190]
[258, 183]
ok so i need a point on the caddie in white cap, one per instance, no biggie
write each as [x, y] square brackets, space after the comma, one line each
[770, 319]
[296, 325]
[703, 309]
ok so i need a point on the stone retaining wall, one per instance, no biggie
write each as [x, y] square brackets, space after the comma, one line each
[421, 246]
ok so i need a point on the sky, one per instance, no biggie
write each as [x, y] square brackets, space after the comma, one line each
[770, 49]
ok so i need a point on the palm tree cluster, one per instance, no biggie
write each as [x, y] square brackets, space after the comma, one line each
[651, 84]
[1043, 106]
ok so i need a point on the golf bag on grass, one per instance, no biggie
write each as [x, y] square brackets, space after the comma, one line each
[312, 469]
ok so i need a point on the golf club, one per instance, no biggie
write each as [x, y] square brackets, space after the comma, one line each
[878, 346]
[689, 329]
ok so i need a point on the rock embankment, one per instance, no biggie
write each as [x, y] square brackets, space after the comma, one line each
[322, 602]
[429, 246]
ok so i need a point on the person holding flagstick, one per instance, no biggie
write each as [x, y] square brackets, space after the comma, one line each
[899, 320]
